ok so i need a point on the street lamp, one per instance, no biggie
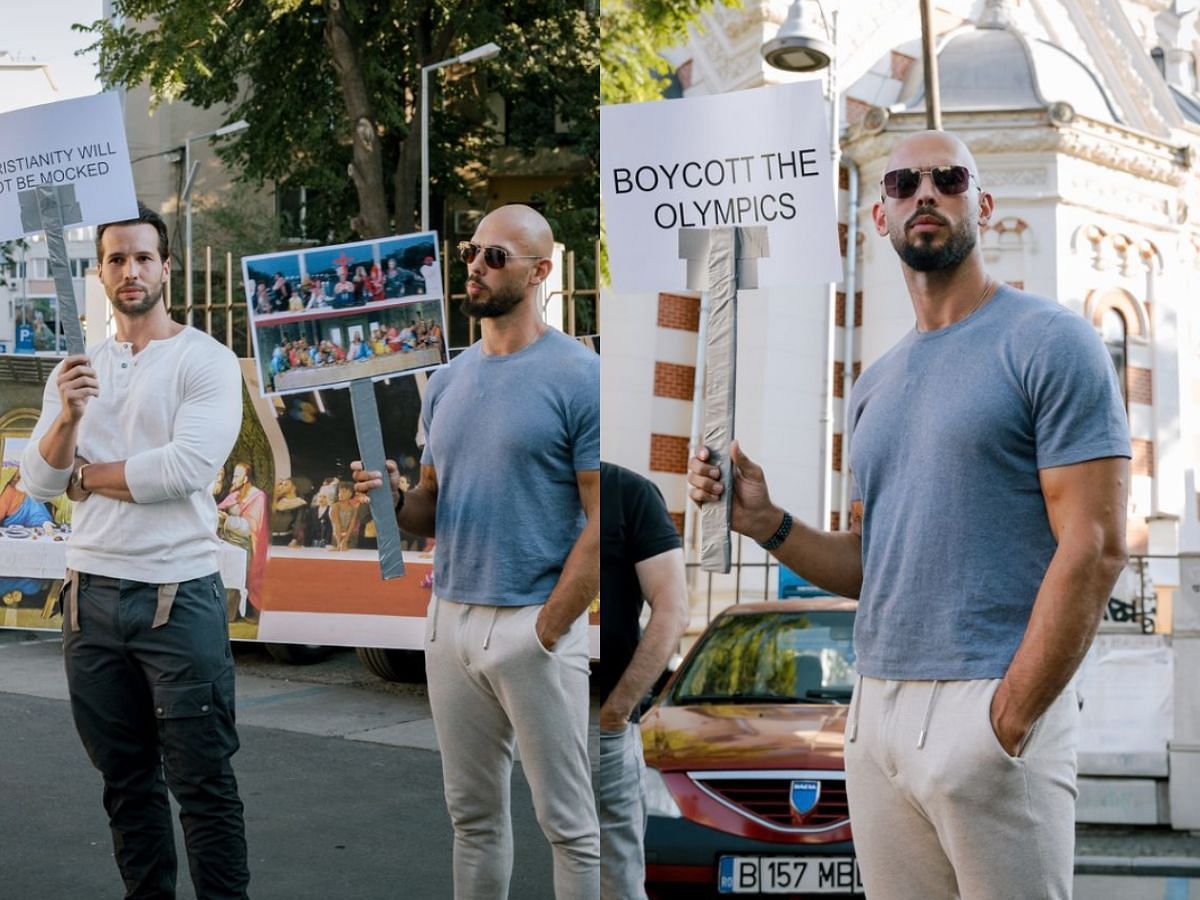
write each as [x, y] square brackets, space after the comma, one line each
[800, 47]
[189, 169]
[478, 54]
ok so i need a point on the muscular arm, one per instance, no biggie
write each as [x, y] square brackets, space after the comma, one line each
[831, 560]
[580, 578]
[663, 585]
[1086, 507]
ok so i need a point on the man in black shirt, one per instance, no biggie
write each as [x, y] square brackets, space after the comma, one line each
[641, 557]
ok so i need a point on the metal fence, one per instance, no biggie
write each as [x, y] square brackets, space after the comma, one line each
[220, 308]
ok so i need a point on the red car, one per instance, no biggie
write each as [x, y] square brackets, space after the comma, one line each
[746, 790]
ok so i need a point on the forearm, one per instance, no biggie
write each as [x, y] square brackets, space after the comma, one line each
[653, 652]
[107, 480]
[1066, 614]
[829, 559]
[57, 445]
[419, 514]
[579, 582]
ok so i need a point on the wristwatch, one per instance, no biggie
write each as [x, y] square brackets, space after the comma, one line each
[77, 478]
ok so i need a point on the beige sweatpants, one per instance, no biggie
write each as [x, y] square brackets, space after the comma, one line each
[491, 683]
[940, 811]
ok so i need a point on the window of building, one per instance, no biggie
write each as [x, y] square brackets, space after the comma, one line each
[1160, 60]
[1115, 334]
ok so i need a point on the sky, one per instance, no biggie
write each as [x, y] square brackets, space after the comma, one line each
[46, 36]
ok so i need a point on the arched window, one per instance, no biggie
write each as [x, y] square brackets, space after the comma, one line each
[1115, 333]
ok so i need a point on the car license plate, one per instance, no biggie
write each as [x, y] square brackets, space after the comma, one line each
[788, 875]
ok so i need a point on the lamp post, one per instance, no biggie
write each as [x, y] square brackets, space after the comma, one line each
[802, 46]
[478, 54]
[189, 168]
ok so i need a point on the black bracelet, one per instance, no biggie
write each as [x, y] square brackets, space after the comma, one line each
[780, 535]
[400, 503]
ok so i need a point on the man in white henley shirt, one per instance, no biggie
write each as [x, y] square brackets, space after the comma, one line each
[135, 433]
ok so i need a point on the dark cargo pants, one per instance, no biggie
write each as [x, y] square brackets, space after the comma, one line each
[148, 700]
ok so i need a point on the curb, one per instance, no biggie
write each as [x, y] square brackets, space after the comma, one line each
[1186, 866]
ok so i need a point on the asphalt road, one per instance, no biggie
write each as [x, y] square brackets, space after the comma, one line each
[338, 770]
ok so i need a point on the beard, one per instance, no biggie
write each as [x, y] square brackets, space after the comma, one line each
[138, 306]
[921, 256]
[492, 304]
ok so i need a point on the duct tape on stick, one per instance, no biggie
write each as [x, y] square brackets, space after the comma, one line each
[51, 208]
[369, 433]
[731, 255]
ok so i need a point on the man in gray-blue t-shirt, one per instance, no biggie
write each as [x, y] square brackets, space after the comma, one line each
[510, 488]
[990, 459]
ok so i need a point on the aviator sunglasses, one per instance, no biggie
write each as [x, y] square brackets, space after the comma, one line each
[493, 257]
[900, 184]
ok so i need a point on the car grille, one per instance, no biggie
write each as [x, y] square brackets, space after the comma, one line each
[766, 799]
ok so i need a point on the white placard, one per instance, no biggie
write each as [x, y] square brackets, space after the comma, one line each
[757, 157]
[79, 142]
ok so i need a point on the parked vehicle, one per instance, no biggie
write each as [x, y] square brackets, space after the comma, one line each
[745, 781]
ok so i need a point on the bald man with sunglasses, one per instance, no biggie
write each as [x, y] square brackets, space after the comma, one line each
[510, 487]
[990, 462]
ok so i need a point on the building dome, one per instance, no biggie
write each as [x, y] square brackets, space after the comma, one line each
[993, 66]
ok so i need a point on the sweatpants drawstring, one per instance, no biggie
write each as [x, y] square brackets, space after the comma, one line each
[433, 601]
[487, 640]
[853, 736]
[928, 716]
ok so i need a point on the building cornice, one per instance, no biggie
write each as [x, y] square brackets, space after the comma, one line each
[1057, 129]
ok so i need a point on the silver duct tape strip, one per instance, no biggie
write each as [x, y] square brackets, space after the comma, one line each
[720, 379]
[51, 208]
[369, 433]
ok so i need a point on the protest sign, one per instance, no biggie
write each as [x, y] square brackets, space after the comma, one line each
[326, 316]
[756, 157]
[79, 142]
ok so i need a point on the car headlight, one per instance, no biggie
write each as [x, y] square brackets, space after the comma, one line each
[659, 801]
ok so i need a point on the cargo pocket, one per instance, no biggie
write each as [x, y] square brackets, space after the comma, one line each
[196, 732]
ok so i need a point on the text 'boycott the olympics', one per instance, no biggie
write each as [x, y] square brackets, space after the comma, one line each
[753, 176]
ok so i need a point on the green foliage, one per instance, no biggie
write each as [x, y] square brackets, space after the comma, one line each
[271, 63]
[633, 34]
[7, 258]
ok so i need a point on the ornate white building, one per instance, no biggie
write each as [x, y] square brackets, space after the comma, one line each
[1084, 117]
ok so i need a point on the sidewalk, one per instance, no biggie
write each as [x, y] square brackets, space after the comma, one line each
[342, 787]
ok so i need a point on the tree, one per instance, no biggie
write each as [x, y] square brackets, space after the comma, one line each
[331, 89]
[633, 34]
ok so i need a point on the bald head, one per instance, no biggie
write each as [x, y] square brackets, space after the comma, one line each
[522, 228]
[931, 148]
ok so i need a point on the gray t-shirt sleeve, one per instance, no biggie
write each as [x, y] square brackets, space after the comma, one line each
[585, 423]
[1075, 401]
[426, 418]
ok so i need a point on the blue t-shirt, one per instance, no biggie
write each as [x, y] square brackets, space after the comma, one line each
[507, 435]
[950, 430]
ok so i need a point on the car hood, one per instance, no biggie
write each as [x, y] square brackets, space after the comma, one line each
[744, 736]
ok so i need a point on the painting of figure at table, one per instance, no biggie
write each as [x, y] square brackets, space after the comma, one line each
[24, 519]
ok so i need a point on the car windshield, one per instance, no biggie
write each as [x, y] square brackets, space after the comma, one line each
[772, 657]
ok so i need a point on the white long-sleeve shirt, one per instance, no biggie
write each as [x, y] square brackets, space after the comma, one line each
[172, 412]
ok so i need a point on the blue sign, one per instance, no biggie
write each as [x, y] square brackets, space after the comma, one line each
[24, 339]
[803, 796]
[725, 875]
[792, 585]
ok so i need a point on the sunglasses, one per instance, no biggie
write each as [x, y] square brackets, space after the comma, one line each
[493, 257]
[900, 184]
